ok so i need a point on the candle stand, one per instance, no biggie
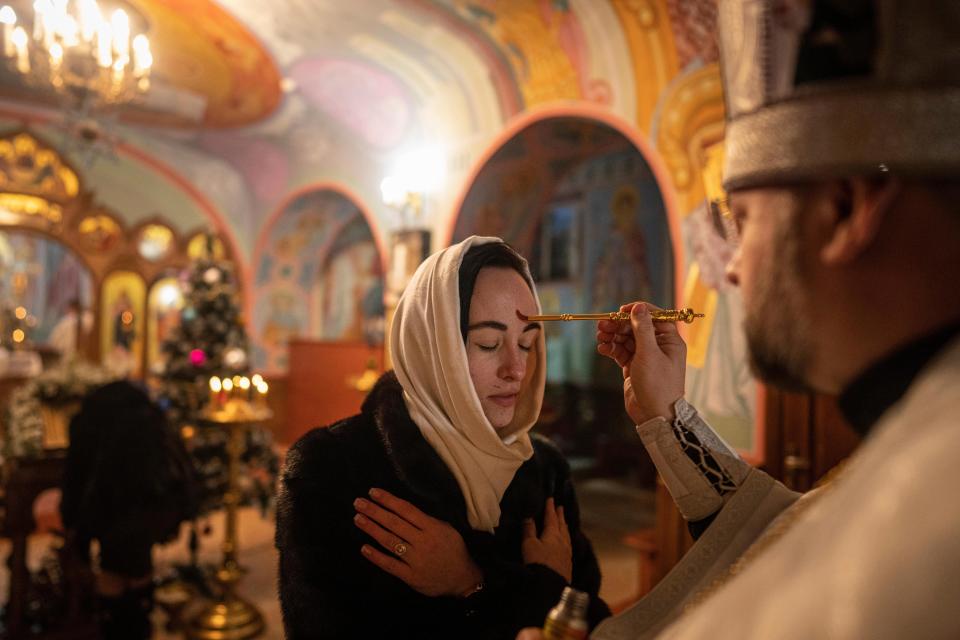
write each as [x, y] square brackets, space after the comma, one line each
[229, 617]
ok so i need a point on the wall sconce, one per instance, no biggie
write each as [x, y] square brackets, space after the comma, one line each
[413, 177]
[401, 197]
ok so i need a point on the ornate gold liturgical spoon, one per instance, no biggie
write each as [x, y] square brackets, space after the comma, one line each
[660, 315]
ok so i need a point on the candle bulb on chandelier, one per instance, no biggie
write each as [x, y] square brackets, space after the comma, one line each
[228, 388]
[48, 18]
[142, 58]
[104, 47]
[120, 29]
[90, 17]
[8, 18]
[40, 8]
[19, 39]
[56, 56]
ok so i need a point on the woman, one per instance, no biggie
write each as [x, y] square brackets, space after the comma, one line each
[128, 483]
[434, 513]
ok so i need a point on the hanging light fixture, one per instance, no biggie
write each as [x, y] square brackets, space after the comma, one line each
[94, 57]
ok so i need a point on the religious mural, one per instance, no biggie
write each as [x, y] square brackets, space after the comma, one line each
[164, 304]
[719, 382]
[319, 275]
[122, 305]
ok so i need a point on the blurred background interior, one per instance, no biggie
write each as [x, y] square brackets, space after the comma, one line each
[240, 189]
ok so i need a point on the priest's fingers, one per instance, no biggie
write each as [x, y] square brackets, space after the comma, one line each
[621, 353]
[617, 327]
[402, 508]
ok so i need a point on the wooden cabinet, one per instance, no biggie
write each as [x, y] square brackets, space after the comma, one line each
[322, 385]
[806, 436]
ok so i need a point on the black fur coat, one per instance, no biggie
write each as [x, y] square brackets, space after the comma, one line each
[329, 590]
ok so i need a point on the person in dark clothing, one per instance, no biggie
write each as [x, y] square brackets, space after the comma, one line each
[434, 509]
[128, 483]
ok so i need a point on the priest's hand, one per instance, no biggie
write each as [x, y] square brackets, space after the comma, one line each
[552, 547]
[530, 633]
[426, 553]
[653, 360]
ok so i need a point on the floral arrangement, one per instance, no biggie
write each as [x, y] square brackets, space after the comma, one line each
[56, 387]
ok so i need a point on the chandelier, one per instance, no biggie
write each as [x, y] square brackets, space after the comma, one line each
[93, 57]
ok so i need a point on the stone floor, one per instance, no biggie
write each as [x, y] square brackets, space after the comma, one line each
[610, 510]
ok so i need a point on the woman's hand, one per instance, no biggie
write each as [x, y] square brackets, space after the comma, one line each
[426, 553]
[552, 548]
[653, 358]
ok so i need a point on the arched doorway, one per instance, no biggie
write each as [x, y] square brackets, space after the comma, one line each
[580, 200]
[319, 275]
[319, 314]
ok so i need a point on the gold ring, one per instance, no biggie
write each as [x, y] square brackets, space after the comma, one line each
[400, 548]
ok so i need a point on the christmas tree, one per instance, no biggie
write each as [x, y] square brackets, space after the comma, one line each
[211, 340]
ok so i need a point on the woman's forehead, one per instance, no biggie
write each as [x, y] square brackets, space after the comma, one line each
[502, 291]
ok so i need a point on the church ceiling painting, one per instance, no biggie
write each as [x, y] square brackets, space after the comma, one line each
[544, 43]
[203, 49]
[371, 103]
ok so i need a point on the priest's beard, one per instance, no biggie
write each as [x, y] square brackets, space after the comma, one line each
[776, 325]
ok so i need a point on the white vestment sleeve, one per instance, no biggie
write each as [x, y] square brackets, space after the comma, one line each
[699, 469]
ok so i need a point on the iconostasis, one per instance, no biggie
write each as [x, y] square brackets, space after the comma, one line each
[59, 248]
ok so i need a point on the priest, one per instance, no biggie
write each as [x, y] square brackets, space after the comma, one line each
[843, 177]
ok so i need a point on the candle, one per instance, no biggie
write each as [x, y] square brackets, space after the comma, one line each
[245, 388]
[228, 388]
[215, 388]
[262, 389]
[8, 18]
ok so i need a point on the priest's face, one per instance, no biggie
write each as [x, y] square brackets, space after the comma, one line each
[500, 346]
[768, 267]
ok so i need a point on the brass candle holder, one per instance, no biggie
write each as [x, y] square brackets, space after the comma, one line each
[687, 315]
[229, 617]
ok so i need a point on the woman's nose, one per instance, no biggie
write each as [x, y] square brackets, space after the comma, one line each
[514, 365]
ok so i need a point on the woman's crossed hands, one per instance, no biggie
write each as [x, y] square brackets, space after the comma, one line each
[426, 553]
[552, 547]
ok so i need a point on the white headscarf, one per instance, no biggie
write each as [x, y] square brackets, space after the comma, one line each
[430, 360]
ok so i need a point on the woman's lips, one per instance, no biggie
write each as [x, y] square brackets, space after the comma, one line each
[506, 400]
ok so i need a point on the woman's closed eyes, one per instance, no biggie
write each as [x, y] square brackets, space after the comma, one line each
[494, 347]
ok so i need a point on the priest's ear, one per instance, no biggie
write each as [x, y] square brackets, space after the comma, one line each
[857, 207]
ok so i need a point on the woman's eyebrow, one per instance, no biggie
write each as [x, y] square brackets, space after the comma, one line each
[499, 326]
[488, 324]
